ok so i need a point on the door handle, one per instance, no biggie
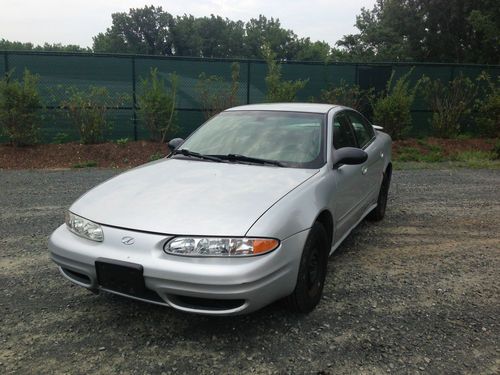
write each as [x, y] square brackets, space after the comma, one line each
[382, 155]
[364, 170]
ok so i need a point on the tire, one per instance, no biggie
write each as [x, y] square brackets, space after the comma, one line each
[312, 272]
[378, 212]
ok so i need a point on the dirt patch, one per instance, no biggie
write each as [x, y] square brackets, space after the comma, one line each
[75, 155]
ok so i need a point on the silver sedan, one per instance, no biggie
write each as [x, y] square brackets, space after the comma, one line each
[242, 213]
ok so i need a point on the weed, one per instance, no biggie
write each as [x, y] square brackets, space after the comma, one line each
[60, 138]
[157, 155]
[85, 164]
[122, 141]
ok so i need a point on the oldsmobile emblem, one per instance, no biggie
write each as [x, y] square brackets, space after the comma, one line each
[128, 240]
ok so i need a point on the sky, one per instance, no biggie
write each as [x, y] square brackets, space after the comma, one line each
[77, 21]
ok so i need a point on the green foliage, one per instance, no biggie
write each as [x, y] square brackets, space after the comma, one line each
[423, 30]
[496, 151]
[56, 47]
[487, 118]
[216, 94]
[85, 164]
[20, 109]
[451, 103]
[392, 109]
[347, 95]
[157, 104]
[60, 138]
[122, 141]
[279, 90]
[156, 156]
[87, 111]
[152, 30]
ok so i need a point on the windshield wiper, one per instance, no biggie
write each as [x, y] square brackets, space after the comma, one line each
[249, 159]
[188, 153]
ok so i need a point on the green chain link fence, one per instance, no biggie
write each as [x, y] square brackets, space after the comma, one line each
[121, 75]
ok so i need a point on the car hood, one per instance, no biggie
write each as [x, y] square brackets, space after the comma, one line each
[177, 196]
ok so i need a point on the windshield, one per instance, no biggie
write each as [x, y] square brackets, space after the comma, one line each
[292, 138]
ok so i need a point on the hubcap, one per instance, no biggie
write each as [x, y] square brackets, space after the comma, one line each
[314, 273]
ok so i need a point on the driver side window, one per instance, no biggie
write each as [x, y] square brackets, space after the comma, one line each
[343, 134]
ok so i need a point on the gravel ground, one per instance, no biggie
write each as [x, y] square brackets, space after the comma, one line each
[416, 293]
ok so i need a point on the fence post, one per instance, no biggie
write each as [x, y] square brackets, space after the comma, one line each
[6, 63]
[248, 82]
[134, 100]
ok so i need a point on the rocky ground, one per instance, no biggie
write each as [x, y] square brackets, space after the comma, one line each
[416, 293]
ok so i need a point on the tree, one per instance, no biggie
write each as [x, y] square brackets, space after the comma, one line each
[261, 31]
[47, 47]
[427, 30]
[311, 51]
[141, 30]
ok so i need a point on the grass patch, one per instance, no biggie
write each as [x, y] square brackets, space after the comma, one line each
[422, 155]
[430, 153]
[85, 164]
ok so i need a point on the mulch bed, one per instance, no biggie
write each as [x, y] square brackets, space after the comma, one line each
[72, 155]
[131, 154]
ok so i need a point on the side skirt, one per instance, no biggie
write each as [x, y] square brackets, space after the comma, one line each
[337, 244]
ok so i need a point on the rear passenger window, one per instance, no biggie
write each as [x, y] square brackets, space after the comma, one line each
[363, 130]
[343, 135]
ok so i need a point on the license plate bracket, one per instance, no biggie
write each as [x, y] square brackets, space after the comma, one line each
[120, 276]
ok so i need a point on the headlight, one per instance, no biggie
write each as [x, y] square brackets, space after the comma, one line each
[83, 227]
[220, 246]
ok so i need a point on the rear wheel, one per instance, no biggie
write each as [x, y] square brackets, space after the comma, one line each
[378, 212]
[312, 271]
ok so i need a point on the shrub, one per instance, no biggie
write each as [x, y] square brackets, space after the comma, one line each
[487, 118]
[347, 95]
[450, 103]
[216, 94]
[279, 90]
[87, 111]
[60, 138]
[496, 151]
[157, 105]
[122, 141]
[20, 109]
[392, 109]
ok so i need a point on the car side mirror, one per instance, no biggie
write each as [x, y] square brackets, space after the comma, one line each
[349, 156]
[174, 143]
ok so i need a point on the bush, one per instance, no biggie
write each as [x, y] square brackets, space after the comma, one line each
[157, 105]
[392, 109]
[20, 109]
[450, 103]
[347, 95]
[87, 111]
[277, 89]
[496, 151]
[216, 94]
[487, 118]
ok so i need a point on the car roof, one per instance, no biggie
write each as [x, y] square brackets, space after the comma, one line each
[287, 107]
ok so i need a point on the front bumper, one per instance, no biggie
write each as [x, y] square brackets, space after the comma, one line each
[185, 283]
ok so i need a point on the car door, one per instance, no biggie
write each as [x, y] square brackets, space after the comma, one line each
[346, 200]
[371, 170]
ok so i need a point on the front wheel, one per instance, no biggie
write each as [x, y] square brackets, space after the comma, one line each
[378, 212]
[312, 271]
